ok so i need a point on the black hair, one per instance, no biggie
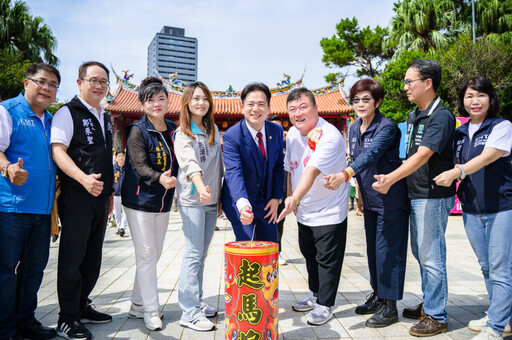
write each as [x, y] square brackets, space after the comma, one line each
[256, 87]
[149, 87]
[298, 92]
[484, 85]
[429, 69]
[82, 70]
[275, 118]
[34, 68]
[120, 151]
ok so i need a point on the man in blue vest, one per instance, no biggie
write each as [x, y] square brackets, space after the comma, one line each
[429, 150]
[27, 191]
[82, 148]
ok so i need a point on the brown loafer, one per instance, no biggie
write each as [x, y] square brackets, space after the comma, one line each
[427, 326]
[414, 313]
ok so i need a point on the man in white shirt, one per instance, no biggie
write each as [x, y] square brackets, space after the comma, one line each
[314, 149]
[82, 148]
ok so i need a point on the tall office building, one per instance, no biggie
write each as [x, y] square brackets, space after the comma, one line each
[171, 51]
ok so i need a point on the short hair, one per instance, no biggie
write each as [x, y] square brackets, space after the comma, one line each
[484, 85]
[429, 69]
[121, 151]
[275, 118]
[298, 92]
[256, 87]
[185, 111]
[82, 70]
[370, 85]
[149, 87]
[34, 68]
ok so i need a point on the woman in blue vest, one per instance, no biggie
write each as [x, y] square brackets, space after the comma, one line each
[483, 163]
[146, 193]
[199, 155]
[374, 141]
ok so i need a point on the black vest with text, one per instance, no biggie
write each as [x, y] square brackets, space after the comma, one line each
[90, 151]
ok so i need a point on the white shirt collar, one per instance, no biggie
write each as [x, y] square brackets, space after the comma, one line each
[92, 108]
[254, 132]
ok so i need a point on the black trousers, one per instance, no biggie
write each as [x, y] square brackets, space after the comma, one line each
[280, 225]
[83, 219]
[324, 249]
[386, 248]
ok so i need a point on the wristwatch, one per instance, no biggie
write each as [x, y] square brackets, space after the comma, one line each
[462, 172]
[4, 170]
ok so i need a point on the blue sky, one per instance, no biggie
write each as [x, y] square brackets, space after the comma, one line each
[239, 41]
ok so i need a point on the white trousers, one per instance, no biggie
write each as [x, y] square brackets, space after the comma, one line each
[119, 213]
[148, 234]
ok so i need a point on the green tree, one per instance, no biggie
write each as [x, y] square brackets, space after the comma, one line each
[12, 73]
[353, 46]
[422, 25]
[487, 58]
[25, 35]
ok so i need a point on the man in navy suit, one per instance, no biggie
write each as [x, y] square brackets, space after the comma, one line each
[253, 157]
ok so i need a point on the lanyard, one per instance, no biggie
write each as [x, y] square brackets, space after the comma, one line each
[409, 129]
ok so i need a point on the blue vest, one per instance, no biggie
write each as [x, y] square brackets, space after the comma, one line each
[488, 190]
[118, 179]
[31, 142]
[390, 160]
[144, 195]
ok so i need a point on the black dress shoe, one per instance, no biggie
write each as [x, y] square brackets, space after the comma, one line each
[371, 305]
[384, 316]
[414, 313]
[36, 331]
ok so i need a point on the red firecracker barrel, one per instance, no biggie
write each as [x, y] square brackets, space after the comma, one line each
[251, 281]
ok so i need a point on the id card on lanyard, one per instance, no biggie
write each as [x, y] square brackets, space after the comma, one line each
[410, 126]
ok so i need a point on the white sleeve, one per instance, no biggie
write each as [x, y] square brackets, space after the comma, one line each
[329, 154]
[62, 127]
[286, 159]
[501, 137]
[5, 129]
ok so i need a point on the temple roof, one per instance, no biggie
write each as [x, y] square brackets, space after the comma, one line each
[330, 99]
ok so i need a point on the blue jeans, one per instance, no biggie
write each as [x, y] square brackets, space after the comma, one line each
[24, 250]
[490, 236]
[429, 218]
[198, 227]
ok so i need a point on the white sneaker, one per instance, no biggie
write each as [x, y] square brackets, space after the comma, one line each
[308, 303]
[319, 315]
[201, 324]
[480, 324]
[282, 260]
[153, 321]
[209, 311]
[487, 334]
[137, 312]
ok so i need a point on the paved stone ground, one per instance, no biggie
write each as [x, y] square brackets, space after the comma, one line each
[467, 295]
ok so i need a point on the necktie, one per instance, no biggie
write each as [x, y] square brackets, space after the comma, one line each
[261, 146]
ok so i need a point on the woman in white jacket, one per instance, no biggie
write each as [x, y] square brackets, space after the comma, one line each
[199, 154]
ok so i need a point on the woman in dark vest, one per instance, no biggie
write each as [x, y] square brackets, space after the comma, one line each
[147, 192]
[483, 163]
[374, 141]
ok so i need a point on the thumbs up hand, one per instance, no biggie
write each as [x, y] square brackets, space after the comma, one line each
[17, 174]
[205, 196]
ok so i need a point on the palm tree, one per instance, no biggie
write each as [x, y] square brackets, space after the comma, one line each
[421, 24]
[24, 35]
[493, 16]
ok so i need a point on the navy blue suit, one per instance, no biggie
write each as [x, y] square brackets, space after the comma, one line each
[250, 175]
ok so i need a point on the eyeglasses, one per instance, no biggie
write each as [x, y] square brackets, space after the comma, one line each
[408, 82]
[43, 84]
[94, 83]
[365, 100]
